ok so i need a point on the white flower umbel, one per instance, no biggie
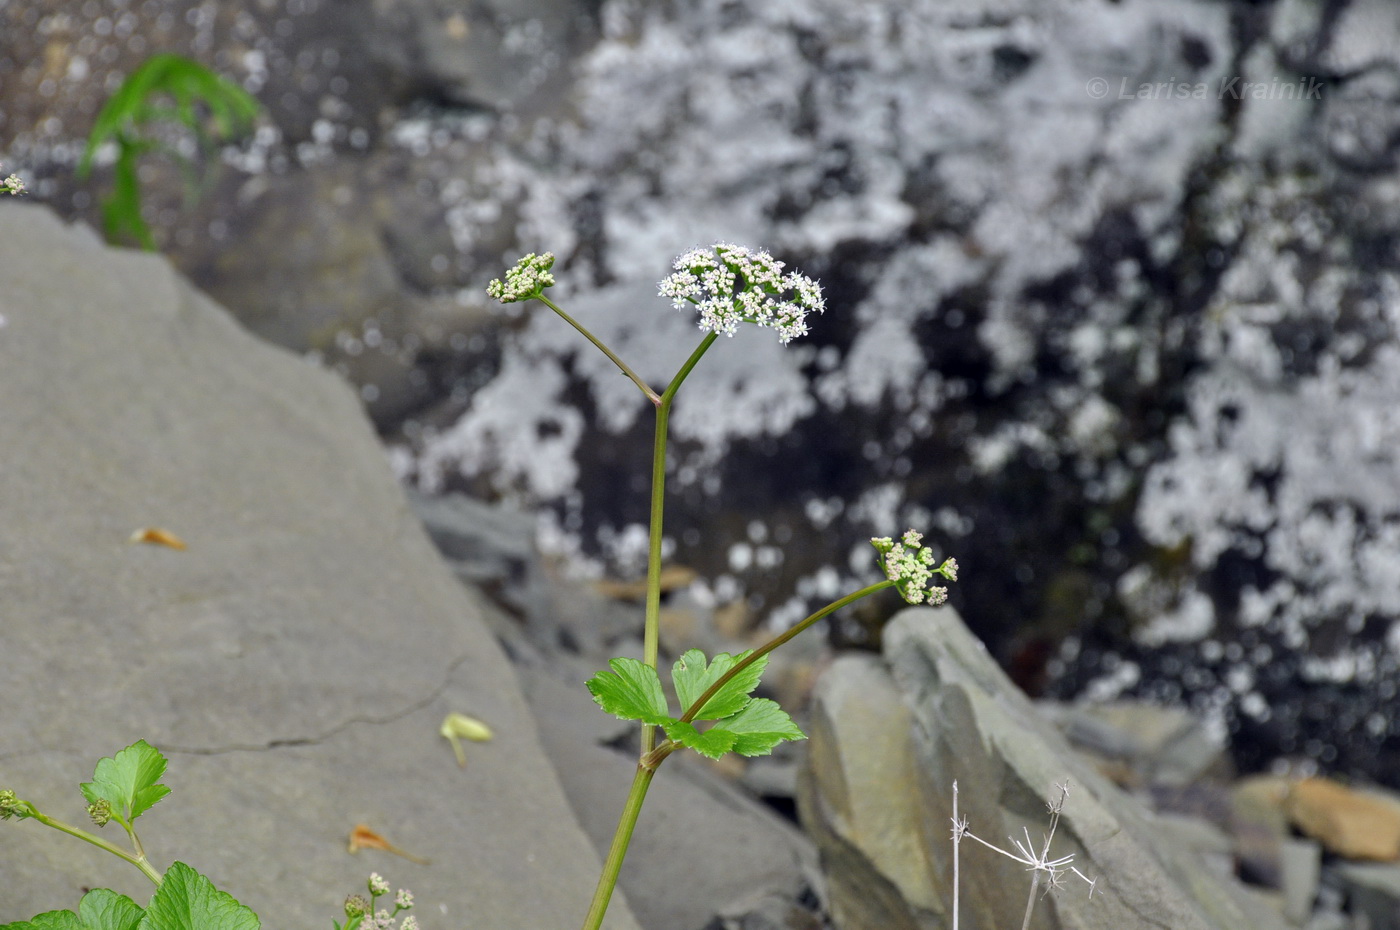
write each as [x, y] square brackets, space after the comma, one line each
[12, 185]
[731, 284]
[910, 566]
[526, 280]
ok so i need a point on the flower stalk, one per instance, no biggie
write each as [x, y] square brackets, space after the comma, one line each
[728, 285]
[11, 806]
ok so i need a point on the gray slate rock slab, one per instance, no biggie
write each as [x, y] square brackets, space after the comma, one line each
[890, 735]
[294, 662]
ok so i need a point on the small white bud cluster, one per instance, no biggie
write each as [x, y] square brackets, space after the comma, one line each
[12, 185]
[526, 280]
[910, 566]
[731, 284]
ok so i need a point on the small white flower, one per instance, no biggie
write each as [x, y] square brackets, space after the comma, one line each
[12, 185]
[708, 278]
[409, 923]
[377, 884]
[404, 899]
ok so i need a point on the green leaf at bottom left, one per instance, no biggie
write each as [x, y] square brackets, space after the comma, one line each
[49, 920]
[100, 909]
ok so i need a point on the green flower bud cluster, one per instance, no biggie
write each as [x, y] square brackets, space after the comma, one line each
[356, 905]
[526, 281]
[12, 806]
[910, 566]
[100, 811]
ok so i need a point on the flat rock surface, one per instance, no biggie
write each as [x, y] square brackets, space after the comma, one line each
[294, 662]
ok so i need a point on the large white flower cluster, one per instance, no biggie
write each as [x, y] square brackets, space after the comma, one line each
[731, 284]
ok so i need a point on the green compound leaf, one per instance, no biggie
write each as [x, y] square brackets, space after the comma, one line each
[104, 909]
[127, 781]
[713, 743]
[760, 726]
[631, 691]
[753, 731]
[101, 909]
[692, 677]
[187, 900]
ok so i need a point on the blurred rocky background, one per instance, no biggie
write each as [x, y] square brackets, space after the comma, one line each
[1113, 301]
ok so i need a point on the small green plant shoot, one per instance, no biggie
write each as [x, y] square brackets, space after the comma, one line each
[166, 92]
[123, 787]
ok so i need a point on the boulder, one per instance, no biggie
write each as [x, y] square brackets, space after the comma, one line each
[293, 661]
[892, 734]
[1348, 822]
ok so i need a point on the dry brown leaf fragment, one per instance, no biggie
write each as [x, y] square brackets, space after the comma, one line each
[362, 837]
[157, 537]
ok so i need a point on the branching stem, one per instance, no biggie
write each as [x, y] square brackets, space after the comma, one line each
[651, 631]
[636, 379]
[777, 641]
[139, 860]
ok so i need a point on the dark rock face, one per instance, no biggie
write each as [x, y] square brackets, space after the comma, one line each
[1112, 311]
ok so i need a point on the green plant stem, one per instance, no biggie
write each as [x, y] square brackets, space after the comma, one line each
[621, 838]
[651, 630]
[646, 767]
[636, 379]
[139, 861]
[136, 846]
